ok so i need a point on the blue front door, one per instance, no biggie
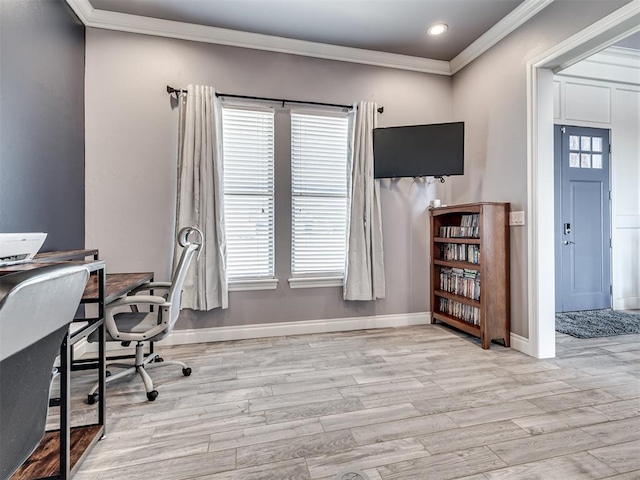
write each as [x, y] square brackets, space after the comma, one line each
[583, 224]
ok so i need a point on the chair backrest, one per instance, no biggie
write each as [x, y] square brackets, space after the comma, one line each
[190, 247]
[36, 308]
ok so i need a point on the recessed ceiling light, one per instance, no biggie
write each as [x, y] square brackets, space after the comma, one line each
[437, 29]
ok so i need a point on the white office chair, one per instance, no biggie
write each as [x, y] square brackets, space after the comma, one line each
[140, 327]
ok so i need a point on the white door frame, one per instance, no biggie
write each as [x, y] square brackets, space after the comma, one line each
[540, 179]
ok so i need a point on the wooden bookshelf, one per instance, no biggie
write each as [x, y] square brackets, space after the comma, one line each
[471, 294]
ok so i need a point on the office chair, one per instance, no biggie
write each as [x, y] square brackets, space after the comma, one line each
[139, 327]
[36, 308]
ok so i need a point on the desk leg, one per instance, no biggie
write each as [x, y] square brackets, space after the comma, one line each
[65, 409]
[102, 354]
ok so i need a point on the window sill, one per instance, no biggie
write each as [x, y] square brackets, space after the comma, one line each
[255, 284]
[315, 282]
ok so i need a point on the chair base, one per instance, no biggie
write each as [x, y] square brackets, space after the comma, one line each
[142, 364]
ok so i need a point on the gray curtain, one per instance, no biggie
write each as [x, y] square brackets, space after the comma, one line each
[364, 271]
[200, 196]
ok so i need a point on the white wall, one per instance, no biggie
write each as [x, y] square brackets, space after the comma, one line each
[490, 95]
[580, 100]
[131, 162]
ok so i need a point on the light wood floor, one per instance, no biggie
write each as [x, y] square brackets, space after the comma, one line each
[408, 403]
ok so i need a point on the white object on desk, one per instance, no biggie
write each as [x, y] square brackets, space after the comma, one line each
[19, 247]
[436, 202]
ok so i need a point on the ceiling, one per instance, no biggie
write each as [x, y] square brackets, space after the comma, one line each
[391, 26]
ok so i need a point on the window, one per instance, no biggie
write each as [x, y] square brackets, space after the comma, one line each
[319, 186]
[247, 144]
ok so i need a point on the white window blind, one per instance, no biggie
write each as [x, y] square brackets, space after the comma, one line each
[319, 182]
[247, 144]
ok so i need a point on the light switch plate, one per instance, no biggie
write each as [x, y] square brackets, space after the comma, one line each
[516, 218]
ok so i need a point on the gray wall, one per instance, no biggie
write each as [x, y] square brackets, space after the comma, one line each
[131, 162]
[42, 121]
[490, 96]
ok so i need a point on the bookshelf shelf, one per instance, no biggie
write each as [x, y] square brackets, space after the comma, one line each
[472, 297]
[468, 240]
[458, 298]
[457, 264]
[459, 324]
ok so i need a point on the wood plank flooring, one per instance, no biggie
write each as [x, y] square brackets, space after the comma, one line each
[410, 403]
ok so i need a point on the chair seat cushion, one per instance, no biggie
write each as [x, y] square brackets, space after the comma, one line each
[136, 322]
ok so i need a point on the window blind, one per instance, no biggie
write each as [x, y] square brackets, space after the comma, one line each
[247, 144]
[319, 186]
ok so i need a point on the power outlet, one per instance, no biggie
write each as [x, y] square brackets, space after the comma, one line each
[516, 218]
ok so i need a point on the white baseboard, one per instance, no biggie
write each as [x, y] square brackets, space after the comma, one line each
[626, 303]
[222, 334]
[243, 332]
[521, 344]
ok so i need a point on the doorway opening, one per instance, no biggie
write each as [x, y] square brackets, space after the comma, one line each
[540, 176]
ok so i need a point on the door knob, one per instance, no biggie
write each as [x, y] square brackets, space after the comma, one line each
[568, 242]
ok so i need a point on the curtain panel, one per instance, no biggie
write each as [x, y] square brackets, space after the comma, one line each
[364, 269]
[200, 196]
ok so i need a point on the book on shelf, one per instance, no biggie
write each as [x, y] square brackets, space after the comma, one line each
[463, 282]
[460, 252]
[471, 220]
[466, 313]
[469, 228]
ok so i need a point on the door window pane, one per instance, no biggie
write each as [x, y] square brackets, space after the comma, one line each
[574, 142]
[585, 144]
[574, 160]
[585, 160]
[596, 144]
[596, 161]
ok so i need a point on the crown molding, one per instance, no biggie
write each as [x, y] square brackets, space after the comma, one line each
[82, 9]
[107, 20]
[504, 27]
[200, 33]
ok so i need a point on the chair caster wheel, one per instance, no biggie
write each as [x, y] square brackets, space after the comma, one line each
[152, 395]
[186, 371]
[107, 373]
[158, 359]
[92, 398]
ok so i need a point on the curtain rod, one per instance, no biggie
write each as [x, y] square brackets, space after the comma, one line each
[171, 90]
[177, 91]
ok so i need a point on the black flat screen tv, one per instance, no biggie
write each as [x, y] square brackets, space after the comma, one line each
[419, 150]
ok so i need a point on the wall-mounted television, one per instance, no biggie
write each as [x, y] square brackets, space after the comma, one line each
[419, 150]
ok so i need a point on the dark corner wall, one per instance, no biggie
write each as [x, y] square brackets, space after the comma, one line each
[42, 49]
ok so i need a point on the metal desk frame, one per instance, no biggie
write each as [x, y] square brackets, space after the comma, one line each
[71, 454]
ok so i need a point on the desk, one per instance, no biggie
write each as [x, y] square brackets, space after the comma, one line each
[65, 255]
[117, 285]
[61, 451]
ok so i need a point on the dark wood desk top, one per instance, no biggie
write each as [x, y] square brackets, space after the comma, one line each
[65, 255]
[92, 265]
[117, 285]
